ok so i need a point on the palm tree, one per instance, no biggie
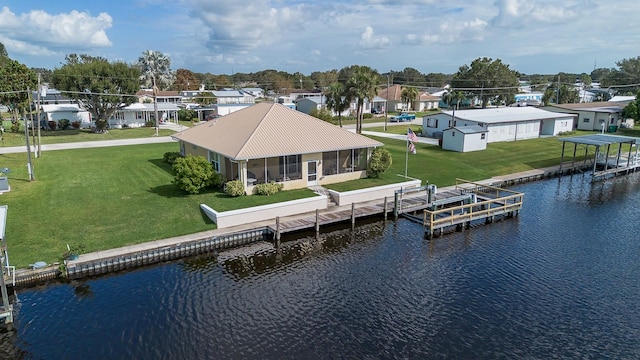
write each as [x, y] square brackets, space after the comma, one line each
[452, 97]
[409, 95]
[336, 99]
[155, 68]
[362, 85]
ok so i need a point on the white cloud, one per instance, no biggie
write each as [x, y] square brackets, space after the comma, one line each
[41, 30]
[368, 40]
[523, 13]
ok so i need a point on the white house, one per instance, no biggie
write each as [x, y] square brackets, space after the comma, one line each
[138, 114]
[146, 96]
[233, 97]
[71, 112]
[464, 138]
[592, 116]
[257, 93]
[502, 124]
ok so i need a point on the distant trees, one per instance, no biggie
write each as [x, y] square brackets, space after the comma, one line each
[185, 80]
[15, 79]
[632, 110]
[101, 86]
[487, 79]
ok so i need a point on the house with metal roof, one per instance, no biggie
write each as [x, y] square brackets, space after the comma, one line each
[592, 116]
[269, 142]
[56, 113]
[465, 138]
[139, 114]
[501, 123]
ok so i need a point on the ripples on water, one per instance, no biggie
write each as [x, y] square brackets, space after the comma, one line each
[560, 281]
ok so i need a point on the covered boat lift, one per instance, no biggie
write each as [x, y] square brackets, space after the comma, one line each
[607, 160]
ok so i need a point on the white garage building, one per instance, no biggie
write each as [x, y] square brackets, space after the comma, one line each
[502, 124]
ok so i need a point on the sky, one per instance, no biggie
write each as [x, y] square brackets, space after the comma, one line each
[226, 36]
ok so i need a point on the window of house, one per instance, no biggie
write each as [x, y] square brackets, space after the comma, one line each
[585, 120]
[482, 136]
[215, 161]
[453, 133]
[138, 114]
[432, 122]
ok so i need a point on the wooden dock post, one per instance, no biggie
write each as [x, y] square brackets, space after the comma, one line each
[385, 208]
[317, 223]
[278, 231]
[395, 206]
[353, 216]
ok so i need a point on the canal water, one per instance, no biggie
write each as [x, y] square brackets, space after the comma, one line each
[560, 281]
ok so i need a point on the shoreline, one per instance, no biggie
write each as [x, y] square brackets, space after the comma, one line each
[157, 251]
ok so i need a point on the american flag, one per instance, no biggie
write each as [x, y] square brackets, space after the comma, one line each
[412, 148]
[411, 136]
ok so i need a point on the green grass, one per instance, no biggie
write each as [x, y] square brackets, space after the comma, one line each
[395, 128]
[441, 167]
[104, 198]
[78, 135]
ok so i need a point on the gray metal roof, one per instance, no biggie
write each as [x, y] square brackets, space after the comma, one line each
[601, 139]
[474, 129]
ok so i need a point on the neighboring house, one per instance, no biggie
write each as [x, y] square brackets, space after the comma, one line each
[623, 99]
[233, 97]
[592, 116]
[393, 95]
[137, 115]
[426, 102]
[465, 138]
[529, 99]
[51, 97]
[308, 104]
[257, 93]
[270, 142]
[146, 96]
[286, 101]
[502, 124]
[71, 112]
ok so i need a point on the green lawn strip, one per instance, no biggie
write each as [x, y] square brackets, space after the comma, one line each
[76, 135]
[396, 128]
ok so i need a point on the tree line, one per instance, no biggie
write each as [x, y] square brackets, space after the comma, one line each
[102, 86]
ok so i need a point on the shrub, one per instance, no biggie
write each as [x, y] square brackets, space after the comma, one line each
[149, 123]
[76, 124]
[234, 188]
[53, 125]
[187, 114]
[380, 161]
[367, 116]
[171, 156]
[15, 126]
[268, 189]
[192, 173]
[64, 124]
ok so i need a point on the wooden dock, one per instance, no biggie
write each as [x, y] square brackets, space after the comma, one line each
[488, 203]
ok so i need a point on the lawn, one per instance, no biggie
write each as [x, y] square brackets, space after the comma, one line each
[104, 198]
[436, 166]
[76, 135]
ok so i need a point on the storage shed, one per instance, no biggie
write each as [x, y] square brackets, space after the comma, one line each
[464, 138]
[502, 124]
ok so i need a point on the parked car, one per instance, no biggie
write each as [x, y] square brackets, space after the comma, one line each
[376, 111]
[403, 117]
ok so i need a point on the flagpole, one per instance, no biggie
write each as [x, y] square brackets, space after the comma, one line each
[406, 156]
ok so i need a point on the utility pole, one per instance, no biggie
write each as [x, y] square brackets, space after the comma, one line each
[155, 101]
[558, 92]
[386, 105]
[39, 152]
[26, 135]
